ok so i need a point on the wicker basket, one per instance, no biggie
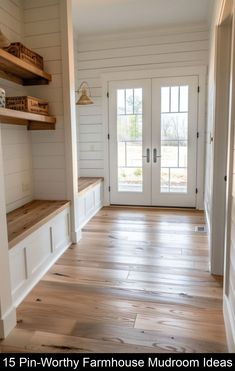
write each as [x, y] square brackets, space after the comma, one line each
[25, 54]
[2, 98]
[28, 104]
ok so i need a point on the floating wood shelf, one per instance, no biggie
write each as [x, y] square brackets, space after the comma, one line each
[32, 120]
[20, 72]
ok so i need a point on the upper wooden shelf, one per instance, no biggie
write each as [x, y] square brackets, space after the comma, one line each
[32, 120]
[20, 72]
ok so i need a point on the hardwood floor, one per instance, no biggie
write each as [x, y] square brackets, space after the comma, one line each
[137, 282]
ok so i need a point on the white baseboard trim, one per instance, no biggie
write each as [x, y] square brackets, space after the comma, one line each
[229, 325]
[7, 323]
[76, 235]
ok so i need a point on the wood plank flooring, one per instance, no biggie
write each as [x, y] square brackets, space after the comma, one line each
[137, 282]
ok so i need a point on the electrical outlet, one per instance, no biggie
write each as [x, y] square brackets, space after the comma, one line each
[25, 187]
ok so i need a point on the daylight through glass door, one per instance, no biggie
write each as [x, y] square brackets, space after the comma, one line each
[129, 136]
[174, 139]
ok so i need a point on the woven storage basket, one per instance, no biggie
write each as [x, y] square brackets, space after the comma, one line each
[25, 54]
[28, 104]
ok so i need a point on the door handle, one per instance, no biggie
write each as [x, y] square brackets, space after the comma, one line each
[147, 156]
[155, 155]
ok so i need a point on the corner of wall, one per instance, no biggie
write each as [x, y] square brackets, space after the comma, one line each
[7, 323]
[229, 325]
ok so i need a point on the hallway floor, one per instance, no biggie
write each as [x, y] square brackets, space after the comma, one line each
[137, 282]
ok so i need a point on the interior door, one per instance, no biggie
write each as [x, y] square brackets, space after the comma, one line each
[174, 141]
[130, 142]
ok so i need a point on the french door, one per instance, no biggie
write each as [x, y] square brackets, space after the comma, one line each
[130, 138]
[153, 141]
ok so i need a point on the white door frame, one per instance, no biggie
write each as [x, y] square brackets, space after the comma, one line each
[201, 72]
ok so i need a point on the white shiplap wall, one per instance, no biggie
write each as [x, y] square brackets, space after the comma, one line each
[76, 50]
[16, 140]
[42, 25]
[130, 51]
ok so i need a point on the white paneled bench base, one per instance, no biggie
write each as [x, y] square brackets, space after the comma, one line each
[90, 198]
[38, 233]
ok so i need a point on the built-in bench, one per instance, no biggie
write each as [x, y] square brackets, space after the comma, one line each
[28, 218]
[38, 232]
[90, 198]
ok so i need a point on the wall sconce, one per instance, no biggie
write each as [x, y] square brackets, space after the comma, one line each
[85, 95]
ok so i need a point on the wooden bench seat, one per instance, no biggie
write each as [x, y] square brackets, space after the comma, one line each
[28, 218]
[86, 183]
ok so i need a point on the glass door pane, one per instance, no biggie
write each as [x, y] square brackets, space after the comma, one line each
[174, 139]
[130, 140]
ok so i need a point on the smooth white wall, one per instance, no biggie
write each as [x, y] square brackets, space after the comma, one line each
[229, 271]
[16, 140]
[175, 47]
[218, 248]
[210, 117]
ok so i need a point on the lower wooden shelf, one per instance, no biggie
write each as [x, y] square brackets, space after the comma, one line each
[31, 120]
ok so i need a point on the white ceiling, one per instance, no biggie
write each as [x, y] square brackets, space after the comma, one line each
[101, 16]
